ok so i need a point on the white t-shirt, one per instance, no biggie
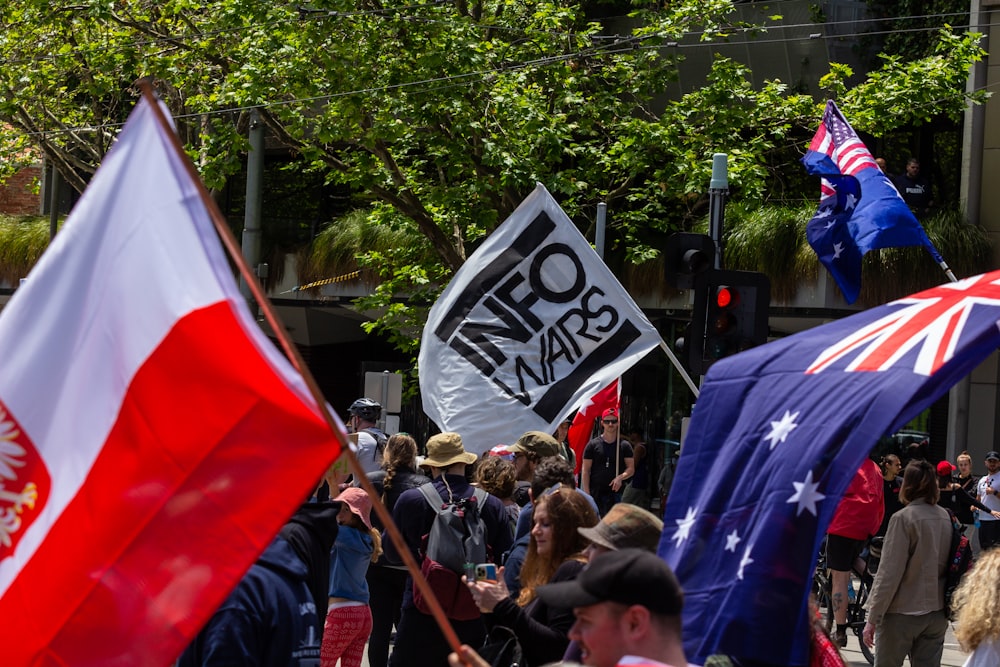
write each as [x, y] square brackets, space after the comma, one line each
[366, 452]
[986, 654]
[991, 501]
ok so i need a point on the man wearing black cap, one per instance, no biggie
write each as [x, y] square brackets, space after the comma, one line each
[988, 488]
[627, 602]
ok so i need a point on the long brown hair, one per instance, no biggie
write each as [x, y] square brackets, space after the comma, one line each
[400, 454]
[919, 481]
[567, 510]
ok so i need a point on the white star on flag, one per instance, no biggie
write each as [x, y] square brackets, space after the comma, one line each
[732, 539]
[806, 495]
[781, 429]
[838, 248]
[684, 526]
[824, 212]
[743, 563]
[852, 201]
[830, 224]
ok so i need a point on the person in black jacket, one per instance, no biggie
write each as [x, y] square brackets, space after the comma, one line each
[267, 620]
[419, 641]
[955, 498]
[386, 582]
[555, 553]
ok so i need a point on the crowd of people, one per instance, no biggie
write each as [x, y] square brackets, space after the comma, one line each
[570, 573]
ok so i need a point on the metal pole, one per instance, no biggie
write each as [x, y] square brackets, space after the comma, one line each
[385, 400]
[718, 188]
[602, 225]
[53, 203]
[250, 242]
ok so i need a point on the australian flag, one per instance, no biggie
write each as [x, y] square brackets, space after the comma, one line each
[859, 208]
[776, 437]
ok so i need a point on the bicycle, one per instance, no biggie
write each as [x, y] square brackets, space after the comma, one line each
[859, 587]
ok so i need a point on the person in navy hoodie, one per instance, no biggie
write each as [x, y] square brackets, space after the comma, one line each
[269, 619]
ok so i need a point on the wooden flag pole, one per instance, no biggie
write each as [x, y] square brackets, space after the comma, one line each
[233, 248]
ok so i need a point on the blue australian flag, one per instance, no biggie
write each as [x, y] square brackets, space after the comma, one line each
[859, 208]
[776, 437]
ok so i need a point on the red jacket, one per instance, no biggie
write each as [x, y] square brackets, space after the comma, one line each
[859, 514]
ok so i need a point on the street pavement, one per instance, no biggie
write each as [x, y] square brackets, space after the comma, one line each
[953, 656]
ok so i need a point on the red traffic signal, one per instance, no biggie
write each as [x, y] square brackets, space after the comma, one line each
[725, 297]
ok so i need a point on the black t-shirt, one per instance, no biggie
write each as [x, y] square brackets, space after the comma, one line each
[602, 455]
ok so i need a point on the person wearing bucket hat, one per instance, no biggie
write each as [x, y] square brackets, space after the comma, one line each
[625, 526]
[529, 450]
[419, 641]
[626, 603]
[349, 618]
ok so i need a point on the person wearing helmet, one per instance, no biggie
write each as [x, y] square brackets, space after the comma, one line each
[363, 415]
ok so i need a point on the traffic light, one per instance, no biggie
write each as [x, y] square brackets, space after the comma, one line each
[684, 256]
[730, 315]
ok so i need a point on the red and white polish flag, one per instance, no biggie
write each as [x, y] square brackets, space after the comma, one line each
[152, 439]
[582, 427]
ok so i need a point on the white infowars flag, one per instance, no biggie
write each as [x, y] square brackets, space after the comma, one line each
[533, 324]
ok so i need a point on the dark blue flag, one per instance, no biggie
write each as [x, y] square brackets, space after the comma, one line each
[859, 208]
[776, 437]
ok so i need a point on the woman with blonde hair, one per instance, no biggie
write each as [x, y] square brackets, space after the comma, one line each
[555, 553]
[977, 625]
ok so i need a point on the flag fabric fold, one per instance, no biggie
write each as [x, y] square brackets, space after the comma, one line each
[776, 437]
[152, 439]
[531, 325]
[582, 428]
[859, 209]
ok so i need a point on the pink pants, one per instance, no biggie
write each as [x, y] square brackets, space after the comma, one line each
[344, 636]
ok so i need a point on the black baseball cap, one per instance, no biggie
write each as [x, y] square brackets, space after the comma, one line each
[626, 576]
[992, 455]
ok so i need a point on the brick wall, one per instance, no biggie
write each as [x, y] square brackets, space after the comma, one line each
[17, 195]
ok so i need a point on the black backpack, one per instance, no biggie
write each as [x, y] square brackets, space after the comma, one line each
[457, 537]
[959, 562]
[380, 440]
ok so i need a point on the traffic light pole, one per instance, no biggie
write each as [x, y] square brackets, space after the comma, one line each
[718, 188]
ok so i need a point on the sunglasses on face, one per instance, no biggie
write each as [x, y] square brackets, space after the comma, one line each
[610, 421]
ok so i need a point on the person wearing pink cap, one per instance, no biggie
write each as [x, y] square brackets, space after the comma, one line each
[608, 463]
[349, 618]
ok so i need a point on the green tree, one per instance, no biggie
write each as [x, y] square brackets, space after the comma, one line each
[440, 116]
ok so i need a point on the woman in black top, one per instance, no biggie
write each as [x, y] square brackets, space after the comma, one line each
[387, 582]
[555, 553]
[957, 499]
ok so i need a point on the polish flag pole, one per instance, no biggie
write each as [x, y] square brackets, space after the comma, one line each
[236, 253]
[152, 439]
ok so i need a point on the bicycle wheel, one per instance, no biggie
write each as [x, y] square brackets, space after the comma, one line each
[856, 617]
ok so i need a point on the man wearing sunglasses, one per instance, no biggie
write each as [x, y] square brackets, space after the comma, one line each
[607, 464]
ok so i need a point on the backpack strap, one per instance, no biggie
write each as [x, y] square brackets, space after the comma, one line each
[432, 497]
[380, 439]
